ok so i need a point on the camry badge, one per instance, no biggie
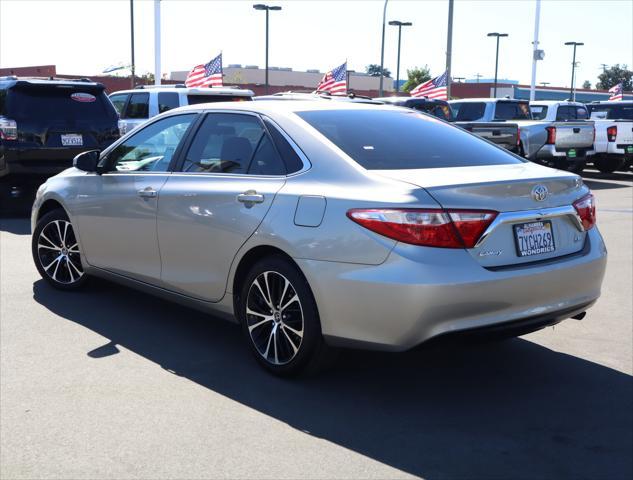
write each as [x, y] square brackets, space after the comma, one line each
[540, 193]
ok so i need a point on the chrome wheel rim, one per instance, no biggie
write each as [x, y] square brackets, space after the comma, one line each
[58, 252]
[274, 317]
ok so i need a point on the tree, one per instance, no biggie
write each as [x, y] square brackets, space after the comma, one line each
[373, 70]
[416, 76]
[586, 84]
[614, 75]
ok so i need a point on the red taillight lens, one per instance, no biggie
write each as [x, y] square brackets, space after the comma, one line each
[551, 135]
[586, 208]
[518, 137]
[431, 228]
[612, 132]
[8, 129]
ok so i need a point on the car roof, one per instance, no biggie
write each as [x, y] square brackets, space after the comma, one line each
[8, 82]
[557, 102]
[284, 106]
[410, 100]
[613, 102]
[312, 96]
[484, 99]
[233, 91]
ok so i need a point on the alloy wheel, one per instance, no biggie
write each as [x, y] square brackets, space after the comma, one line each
[274, 317]
[58, 252]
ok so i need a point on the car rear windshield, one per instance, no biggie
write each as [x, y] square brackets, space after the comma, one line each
[468, 111]
[612, 112]
[58, 103]
[394, 140]
[539, 112]
[512, 111]
[196, 99]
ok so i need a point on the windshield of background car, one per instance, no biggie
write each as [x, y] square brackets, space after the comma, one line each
[512, 111]
[468, 111]
[398, 140]
[46, 104]
[613, 112]
[539, 112]
[194, 99]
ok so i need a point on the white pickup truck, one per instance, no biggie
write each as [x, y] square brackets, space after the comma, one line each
[556, 143]
[613, 147]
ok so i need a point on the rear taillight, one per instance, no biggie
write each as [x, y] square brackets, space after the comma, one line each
[551, 135]
[8, 129]
[586, 208]
[518, 137]
[431, 228]
[612, 132]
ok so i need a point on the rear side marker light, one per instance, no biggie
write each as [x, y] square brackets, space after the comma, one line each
[612, 133]
[586, 208]
[8, 129]
[426, 227]
[551, 135]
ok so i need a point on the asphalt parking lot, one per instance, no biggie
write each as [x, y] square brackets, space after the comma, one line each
[112, 383]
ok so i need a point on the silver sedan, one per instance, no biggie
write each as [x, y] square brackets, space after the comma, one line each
[325, 224]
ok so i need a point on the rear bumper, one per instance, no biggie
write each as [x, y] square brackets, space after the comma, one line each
[419, 293]
[550, 151]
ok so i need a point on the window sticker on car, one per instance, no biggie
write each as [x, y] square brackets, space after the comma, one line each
[83, 97]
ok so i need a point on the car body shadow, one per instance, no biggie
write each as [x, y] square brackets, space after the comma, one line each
[17, 225]
[505, 410]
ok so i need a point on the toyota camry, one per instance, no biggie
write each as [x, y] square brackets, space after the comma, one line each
[325, 224]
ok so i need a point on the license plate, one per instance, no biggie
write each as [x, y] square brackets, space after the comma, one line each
[571, 153]
[72, 140]
[534, 238]
[629, 149]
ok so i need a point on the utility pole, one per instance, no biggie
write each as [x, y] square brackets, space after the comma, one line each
[133, 66]
[382, 48]
[399, 24]
[496, 34]
[478, 76]
[157, 69]
[535, 50]
[266, 8]
[449, 49]
[604, 67]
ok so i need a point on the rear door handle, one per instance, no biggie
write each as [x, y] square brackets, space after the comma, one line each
[250, 196]
[147, 192]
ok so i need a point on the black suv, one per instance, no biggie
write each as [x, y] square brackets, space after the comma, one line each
[437, 108]
[45, 123]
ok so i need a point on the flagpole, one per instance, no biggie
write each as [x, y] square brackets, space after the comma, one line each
[157, 73]
[382, 48]
[449, 49]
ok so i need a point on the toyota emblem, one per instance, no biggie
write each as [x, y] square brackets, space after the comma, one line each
[540, 193]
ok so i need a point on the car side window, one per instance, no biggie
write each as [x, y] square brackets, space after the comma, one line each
[232, 143]
[118, 101]
[152, 147]
[290, 157]
[167, 101]
[138, 106]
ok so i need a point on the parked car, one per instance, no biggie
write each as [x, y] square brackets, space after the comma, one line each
[320, 224]
[613, 147]
[146, 101]
[44, 123]
[559, 144]
[437, 108]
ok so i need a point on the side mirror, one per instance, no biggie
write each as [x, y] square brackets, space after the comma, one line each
[87, 161]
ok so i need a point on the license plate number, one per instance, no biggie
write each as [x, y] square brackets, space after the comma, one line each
[571, 153]
[534, 238]
[72, 140]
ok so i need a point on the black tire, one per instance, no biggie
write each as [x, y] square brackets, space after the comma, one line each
[608, 165]
[265, 331]
[56, 251]
[577, 167]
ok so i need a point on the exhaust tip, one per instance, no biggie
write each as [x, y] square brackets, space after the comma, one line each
[580, 316]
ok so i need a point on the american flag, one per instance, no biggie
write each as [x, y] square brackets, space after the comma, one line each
[334, 81]
[434, 88]
[616, 92]
[206, 75]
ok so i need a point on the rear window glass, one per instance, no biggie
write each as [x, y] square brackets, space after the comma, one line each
[612, 112]
[167, 101]
[196, 99]
[512, 111]
[388, 140]
[54, 104]
[570, 112]
[138, 106]
[539, 112]
[468, 111]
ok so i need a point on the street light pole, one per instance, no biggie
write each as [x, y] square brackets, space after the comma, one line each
[382, 47]
[399, 24]
[495, 34]
[266, 8]
[133, 66]
[572, 93]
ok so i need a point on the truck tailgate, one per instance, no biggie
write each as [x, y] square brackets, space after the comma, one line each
[573, 134]
[500, 133]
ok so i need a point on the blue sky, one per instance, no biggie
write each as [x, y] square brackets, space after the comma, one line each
[83, 37]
